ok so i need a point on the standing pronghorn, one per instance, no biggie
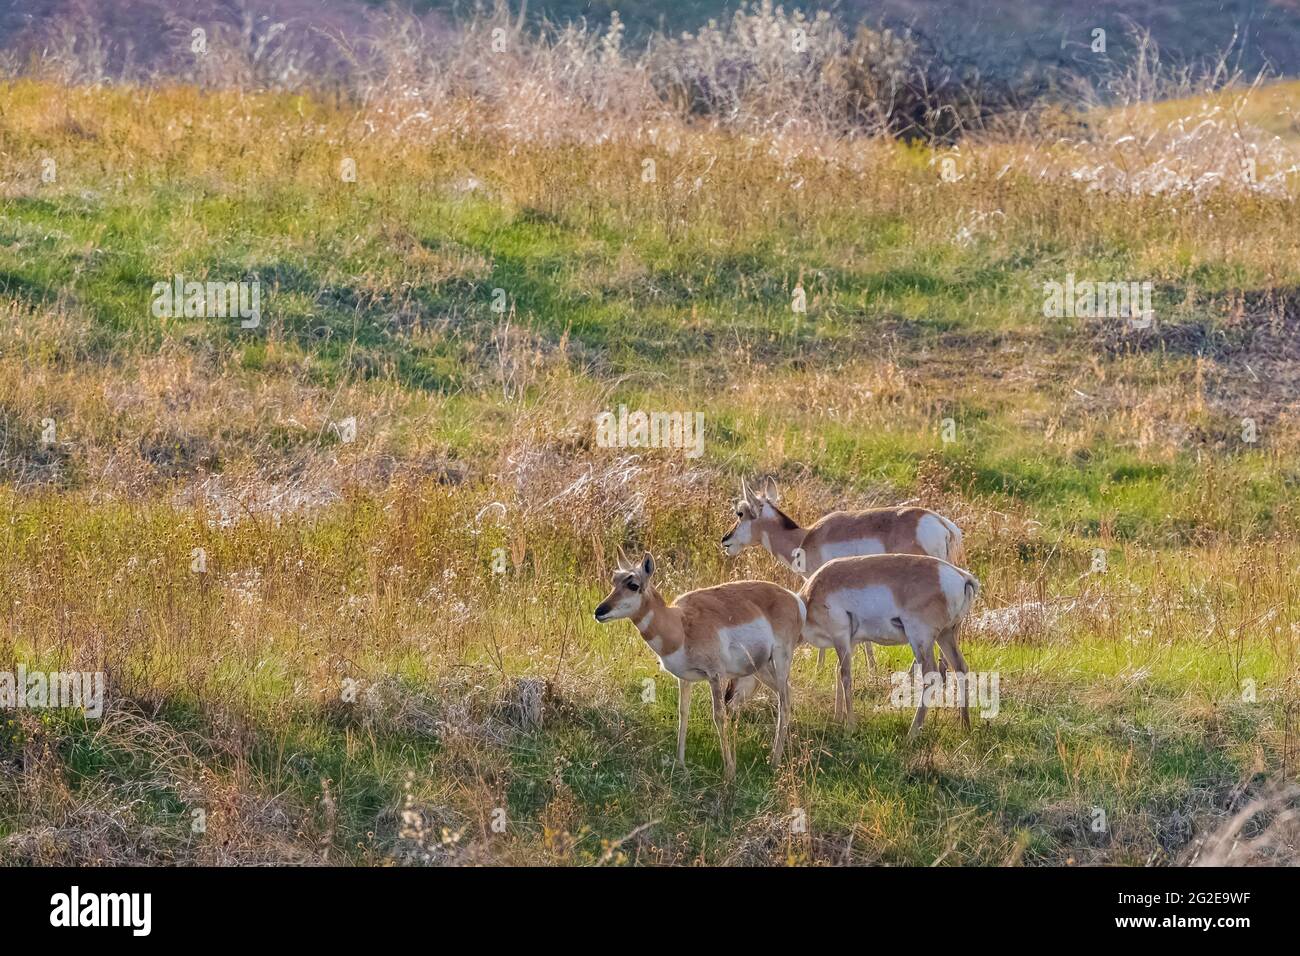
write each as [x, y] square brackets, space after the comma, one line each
[840, 534]
[715, 634]
[890, 599]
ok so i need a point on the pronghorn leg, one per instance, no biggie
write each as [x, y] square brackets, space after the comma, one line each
[950, 650]
[871, 658]
[922, 640]
[777, 676]
[720, 722]
[683, 713]
[782, 721]
[943, 664]
[821, 658]
[845, 654]
[839, 691]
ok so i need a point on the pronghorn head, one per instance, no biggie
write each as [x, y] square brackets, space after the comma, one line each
[630, 586]
[755, 513]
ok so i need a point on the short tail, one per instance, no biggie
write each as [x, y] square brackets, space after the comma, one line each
[956, 547]
[972, 591]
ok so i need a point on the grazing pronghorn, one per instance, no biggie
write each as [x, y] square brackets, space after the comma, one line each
[840, 534]
[717, 634]
[890, 599]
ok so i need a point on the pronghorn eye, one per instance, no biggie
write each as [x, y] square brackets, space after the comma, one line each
[633, 586]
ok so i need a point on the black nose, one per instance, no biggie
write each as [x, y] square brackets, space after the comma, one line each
[601, 611]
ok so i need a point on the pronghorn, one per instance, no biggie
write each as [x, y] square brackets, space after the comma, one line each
[715, 634]
[840, 534]
[890, 599]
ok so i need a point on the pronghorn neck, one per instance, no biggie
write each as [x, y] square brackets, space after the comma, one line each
[659, 623]
[782, 543]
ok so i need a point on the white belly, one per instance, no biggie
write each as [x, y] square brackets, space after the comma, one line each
[675, 664]
[874, 610]
[747, 647]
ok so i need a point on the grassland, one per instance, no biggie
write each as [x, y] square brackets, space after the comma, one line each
[342, 682]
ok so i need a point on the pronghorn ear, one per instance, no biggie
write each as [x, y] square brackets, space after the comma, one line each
[648, 565]
[771, 492]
